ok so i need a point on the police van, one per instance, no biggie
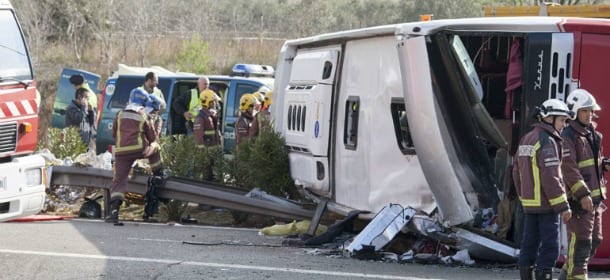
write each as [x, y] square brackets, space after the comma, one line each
[245, 78]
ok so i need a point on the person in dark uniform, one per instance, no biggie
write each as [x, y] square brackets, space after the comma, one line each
[583, 171]
[135, 138]
[247, 102]
[539, 184]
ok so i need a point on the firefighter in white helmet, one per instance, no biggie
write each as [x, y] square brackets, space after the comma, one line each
[583, 171]
[538, 181]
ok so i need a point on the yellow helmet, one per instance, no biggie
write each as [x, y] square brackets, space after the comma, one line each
[246, 101]
[208, 96]
[268, 98]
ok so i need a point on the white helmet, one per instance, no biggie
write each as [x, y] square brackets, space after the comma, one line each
[581, 99]
[554, 107]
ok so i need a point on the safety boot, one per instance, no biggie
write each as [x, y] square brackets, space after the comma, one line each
[115, 205]
[526, 273]
[544, 274]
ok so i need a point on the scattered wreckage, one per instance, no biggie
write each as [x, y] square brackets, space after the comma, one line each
[88, 170]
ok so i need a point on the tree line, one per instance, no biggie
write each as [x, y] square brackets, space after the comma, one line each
[97, 35]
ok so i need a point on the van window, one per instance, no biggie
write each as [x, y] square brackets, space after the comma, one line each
[124, 85]
[401, 126]
[241, 89]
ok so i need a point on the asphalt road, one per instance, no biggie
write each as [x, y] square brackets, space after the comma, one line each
[83, 249]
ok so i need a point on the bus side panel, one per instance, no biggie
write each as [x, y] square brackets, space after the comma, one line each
[375, 172]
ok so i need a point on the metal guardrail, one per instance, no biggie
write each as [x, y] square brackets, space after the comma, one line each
[186, 190]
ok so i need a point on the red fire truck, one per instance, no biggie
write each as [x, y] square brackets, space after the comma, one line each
[22, 174]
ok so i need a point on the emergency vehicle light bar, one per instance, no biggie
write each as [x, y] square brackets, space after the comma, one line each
[247, 70]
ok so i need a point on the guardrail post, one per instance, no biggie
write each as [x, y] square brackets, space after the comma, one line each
[106, 203]
[315, 221]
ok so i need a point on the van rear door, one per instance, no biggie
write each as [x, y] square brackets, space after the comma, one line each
[65, 93]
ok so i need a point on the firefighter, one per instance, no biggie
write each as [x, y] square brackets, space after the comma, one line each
[539, 184]
[188, 104]
[207, 124]
[583, 170]
[135, 138]
[262, 118]
[244, 123]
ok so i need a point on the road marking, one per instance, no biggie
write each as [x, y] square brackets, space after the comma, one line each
[157, 240]
[208, 264]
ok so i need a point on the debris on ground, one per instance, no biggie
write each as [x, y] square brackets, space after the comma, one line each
[293, 228]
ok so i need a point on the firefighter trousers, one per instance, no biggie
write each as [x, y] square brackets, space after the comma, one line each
[584, 235]
[540, 241]
[122, 166]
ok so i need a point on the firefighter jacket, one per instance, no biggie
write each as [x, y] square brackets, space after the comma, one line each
[537, 171]
[133, 133]
[207, 128]
[156, 123]
[243, 126]
[582, 162]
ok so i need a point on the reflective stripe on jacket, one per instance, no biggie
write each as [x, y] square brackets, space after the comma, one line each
[242, 127]
[132, 132]
[537, 171]
[206, 129]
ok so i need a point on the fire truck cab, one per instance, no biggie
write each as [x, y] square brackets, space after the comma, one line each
[22, 174]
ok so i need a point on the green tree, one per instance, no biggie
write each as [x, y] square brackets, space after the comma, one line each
[193, 57]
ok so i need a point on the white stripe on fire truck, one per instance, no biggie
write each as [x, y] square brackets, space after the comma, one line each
[13, 108]
[27, 106]
[2, 113]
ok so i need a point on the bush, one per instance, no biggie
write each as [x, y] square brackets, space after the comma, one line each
[180, 154]
[264, 163]
[64, 142]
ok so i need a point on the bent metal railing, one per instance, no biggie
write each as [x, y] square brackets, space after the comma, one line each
[186, 190]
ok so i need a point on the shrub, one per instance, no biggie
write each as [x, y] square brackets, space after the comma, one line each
[180, 154]
[64, 142]
[264, 163]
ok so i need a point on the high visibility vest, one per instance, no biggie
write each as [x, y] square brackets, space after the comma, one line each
[194, 105]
